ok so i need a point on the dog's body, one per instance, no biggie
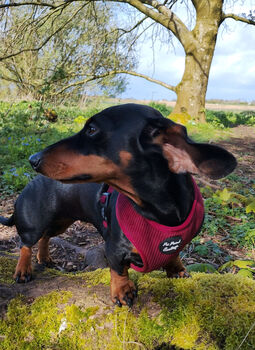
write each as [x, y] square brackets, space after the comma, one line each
[47, 207]
[138, 152]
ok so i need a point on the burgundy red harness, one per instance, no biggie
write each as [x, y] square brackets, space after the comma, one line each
[157, 244]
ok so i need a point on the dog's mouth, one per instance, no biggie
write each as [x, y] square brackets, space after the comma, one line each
[76, 179]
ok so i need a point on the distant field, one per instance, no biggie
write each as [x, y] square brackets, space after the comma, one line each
[226, 107]
[220, 106]
[211, 106]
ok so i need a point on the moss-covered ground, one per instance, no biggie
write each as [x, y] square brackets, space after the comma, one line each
[207, 311]
[7, 267]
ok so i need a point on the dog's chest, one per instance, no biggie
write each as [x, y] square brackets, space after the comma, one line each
[157, 244]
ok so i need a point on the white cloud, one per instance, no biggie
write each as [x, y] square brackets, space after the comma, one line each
[233, 68]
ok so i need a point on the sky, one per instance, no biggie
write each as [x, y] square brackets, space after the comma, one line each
[232, 74]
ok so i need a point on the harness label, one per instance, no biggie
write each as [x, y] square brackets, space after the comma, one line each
[170, 245]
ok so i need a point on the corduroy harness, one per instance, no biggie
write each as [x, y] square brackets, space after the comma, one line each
[158, 244]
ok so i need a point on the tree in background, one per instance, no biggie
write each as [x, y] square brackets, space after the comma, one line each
[198, 39]
[70, 48]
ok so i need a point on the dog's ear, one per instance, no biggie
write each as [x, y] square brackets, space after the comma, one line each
[184, 155]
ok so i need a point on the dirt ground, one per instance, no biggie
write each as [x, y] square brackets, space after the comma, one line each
[85, 236]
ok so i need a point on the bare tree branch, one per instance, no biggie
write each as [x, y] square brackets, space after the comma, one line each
[167, 86]
[156, 11]
[238, 18]
[15, 81]
[115, 72]
[46, 40]
[29, 3]
[125, 31]
[163, 15]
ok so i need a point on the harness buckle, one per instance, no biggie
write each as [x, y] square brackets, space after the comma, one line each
[104, 200]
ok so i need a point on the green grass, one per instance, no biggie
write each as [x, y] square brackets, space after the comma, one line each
[24, 130]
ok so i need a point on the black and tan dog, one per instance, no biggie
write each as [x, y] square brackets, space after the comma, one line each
[146, 160]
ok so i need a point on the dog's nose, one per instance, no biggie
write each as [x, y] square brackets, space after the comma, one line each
[35, 160]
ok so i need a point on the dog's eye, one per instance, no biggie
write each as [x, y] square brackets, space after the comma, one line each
[155, 132]
[91, 130]
[152, 131]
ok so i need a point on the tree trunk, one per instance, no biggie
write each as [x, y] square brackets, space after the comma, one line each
[191, 91]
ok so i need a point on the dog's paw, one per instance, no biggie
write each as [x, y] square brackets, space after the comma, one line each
[124, 293]
[23, 273]
[184, 274]
[45, 263]
[45, 260]
[179, 274]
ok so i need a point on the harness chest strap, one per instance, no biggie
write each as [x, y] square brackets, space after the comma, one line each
[158, 244]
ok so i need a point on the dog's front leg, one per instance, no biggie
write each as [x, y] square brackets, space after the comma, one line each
[23, 272]
[176, 269]
[43, 255]
[123, 290]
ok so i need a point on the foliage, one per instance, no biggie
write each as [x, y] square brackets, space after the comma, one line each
[204, 312]
[199, 267]
[207, 249]
[242, 267]
[81, 43]
[226, 212]
[162, 108]
[223, 119]
[24, 130]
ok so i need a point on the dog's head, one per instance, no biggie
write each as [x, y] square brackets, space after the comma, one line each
[123, 142]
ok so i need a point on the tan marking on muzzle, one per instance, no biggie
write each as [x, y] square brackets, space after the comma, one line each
[63, 164]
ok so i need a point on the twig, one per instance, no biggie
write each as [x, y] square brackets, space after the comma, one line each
[233, 218]
[65, 244]
[8, 110]
[124, 330]
[93, 257]
[252, 326]
[207, 183]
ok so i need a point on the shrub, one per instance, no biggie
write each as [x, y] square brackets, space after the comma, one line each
[225, 119]
[162, 108]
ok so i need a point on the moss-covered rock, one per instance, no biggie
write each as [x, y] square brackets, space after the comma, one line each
[206, 312]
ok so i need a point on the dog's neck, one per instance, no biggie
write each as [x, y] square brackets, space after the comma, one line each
[170, 202]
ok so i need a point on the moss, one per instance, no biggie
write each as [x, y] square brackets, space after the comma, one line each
[206, 312]
[182, 118]
[93, 278]
[217, 309]
[32, 326]
[7, 268]
[150, 331]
